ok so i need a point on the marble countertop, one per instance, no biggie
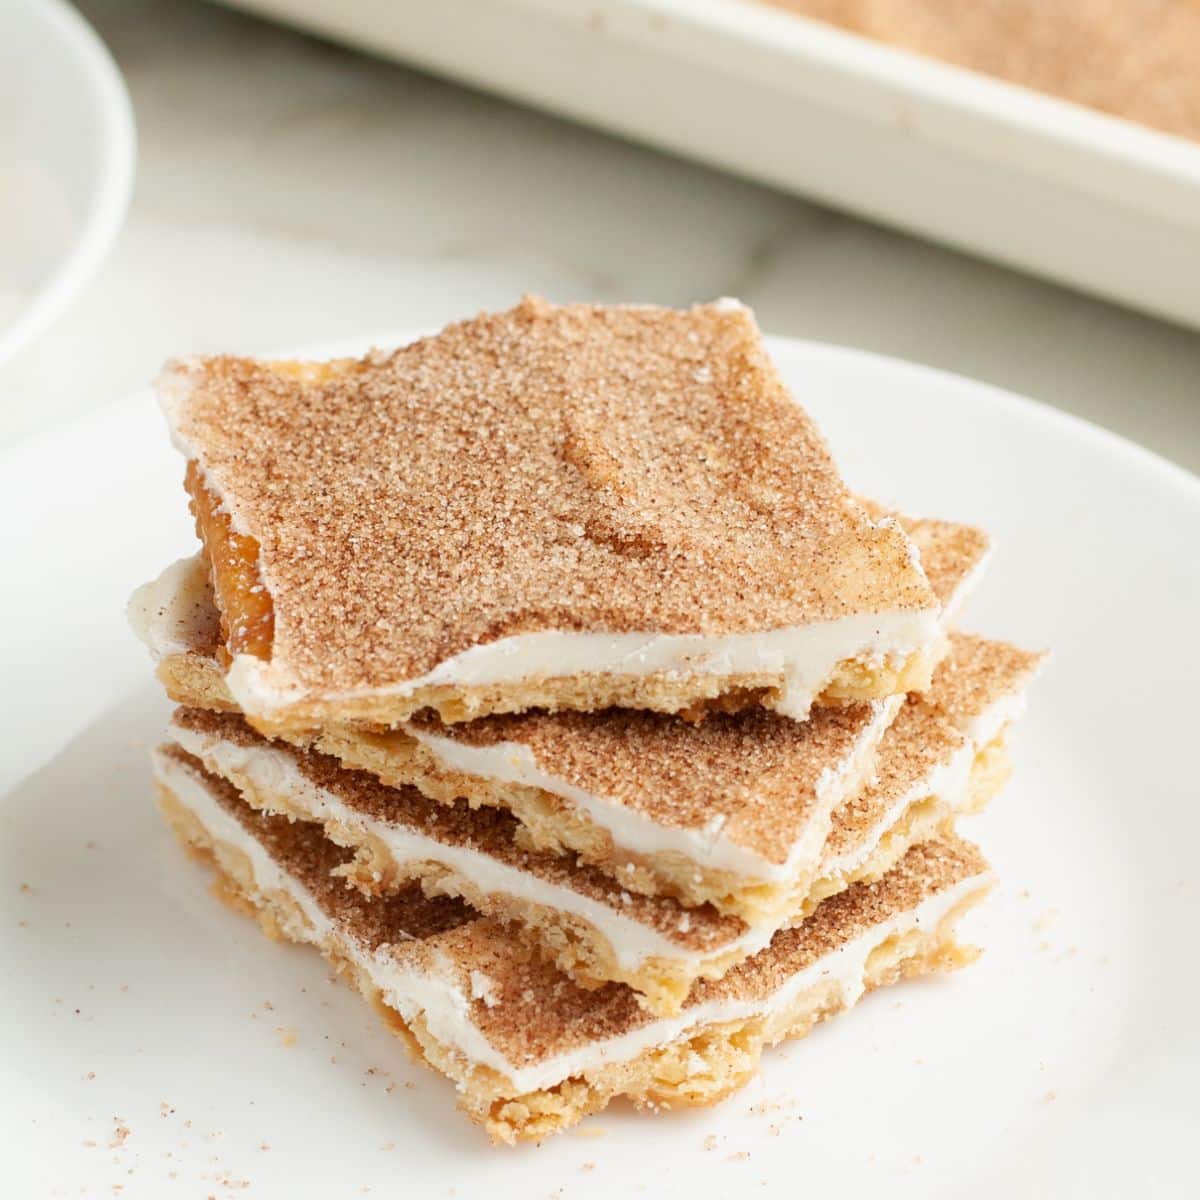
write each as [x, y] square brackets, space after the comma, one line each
[289, 191]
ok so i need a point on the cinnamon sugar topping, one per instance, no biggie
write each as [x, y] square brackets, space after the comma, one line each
[977, 673]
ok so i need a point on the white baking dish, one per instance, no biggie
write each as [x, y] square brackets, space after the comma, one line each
[1098, 203]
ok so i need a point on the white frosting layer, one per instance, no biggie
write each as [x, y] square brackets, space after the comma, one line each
[446, 1007]
[803, 658]
[173, 614]
[965, 587]
[987, 725]
[271, 771]
[946, 784]
[711, 846]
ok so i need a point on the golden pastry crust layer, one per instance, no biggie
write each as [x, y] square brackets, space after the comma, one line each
[578, 469]
[531, 1012]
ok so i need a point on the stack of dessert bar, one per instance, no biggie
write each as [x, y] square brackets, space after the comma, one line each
[546, 676]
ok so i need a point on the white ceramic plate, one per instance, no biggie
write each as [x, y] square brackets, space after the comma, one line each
[1009, 174]
[1063, 1064]
[66, 162]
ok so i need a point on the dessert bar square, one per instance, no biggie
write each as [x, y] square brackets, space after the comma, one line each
[568, 507]
[589, 923]
[530, 1052]
[730, 811]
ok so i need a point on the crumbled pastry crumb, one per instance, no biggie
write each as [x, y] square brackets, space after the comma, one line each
[739, 1156]
[288, 1035]
[1046, 920]
[710, 1142]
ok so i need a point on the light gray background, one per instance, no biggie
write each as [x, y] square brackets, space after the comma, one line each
[289, 191]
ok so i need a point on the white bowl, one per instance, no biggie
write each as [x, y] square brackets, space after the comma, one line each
[66, 162]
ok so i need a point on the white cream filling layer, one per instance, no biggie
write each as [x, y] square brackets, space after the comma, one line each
[173, 613]
[803, 658]
[709, 846]
[964, 588]
[946, 784]
[271, 771]
[446, 1007]
[985, 726]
